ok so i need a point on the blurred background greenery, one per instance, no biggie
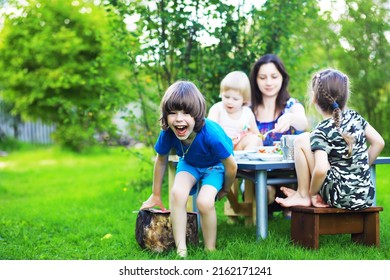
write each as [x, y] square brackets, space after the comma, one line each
[75, 64]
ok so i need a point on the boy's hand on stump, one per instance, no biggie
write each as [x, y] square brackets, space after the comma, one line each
[152, 202]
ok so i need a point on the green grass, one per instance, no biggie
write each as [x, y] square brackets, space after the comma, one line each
[56, 205]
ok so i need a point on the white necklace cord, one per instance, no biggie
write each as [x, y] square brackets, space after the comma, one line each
[182, 148]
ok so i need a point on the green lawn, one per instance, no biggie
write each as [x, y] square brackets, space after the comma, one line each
[56, 205]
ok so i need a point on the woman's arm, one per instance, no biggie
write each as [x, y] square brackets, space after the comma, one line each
[295, 118]
[376, 143]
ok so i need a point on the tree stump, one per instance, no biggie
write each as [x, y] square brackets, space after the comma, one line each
[154, 230]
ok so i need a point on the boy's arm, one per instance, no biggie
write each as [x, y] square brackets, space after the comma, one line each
[230, 175]
[160, 165]
[376, 143]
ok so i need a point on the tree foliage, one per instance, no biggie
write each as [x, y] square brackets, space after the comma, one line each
[204, 40]
[70, 66]
[365, 57]
[59, 62]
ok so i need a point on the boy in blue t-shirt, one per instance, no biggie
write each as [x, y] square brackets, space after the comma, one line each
[206, 155]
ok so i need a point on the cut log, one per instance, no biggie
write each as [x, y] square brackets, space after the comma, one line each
[153, 230]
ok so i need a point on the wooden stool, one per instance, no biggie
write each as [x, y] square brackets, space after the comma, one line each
[308, 223]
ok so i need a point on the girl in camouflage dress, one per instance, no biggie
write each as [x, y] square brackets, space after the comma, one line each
[333, 161]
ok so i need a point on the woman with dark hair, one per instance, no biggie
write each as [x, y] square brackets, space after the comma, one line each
[272, 104]
[274, 109]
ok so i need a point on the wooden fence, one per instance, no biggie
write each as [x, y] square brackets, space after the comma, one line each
[31, 132]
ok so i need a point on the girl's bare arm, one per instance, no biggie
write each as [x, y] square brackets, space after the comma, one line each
[376, 143]
[321, 167]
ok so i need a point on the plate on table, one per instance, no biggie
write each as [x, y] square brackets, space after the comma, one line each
[271, 157]
[265, 157]
[243, 155]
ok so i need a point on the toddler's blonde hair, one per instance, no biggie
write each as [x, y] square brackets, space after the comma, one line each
[239, 81]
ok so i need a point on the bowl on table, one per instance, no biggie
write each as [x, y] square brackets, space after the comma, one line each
[266, 153]
[269, 150]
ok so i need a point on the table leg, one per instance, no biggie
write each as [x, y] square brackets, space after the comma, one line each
[261, 204]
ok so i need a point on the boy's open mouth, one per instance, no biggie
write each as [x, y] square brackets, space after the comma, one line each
[181, 130]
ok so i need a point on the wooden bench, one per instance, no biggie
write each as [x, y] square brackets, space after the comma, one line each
[234, 208]
[308, 223]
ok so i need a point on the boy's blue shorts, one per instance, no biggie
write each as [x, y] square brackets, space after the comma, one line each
[213, 175]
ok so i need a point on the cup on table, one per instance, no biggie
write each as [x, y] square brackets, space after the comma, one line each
[287, 146]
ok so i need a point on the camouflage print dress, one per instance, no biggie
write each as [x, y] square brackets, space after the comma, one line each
[348, 183]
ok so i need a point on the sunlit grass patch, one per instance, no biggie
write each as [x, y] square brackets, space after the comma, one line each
[56, 204]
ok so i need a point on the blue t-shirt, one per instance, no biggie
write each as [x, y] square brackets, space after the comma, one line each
[210, 145]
